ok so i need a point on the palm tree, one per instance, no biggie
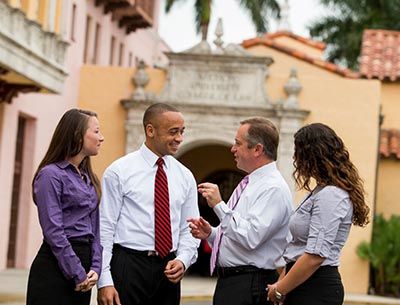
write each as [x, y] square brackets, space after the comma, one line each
[343, 28]
[259, 10]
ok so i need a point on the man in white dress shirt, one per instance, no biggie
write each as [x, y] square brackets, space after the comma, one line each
[134, 272]
[252, 234]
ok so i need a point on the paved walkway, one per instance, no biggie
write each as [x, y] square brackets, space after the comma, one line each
[13, 288]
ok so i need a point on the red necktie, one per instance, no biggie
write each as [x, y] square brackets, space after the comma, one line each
[163, 236]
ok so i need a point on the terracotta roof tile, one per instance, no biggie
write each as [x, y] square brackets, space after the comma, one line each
[380, 55]
[268, 40]
[390, 143]
[310, 42]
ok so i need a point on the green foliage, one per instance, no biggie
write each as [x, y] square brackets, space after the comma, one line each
[383, 253]
[258, 10]
[343, 27]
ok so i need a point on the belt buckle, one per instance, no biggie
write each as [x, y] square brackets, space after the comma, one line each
[152, 253]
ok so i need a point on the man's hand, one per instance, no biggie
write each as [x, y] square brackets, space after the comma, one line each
[174, 271]
[199, 227]
[108, 295]
[210, 192]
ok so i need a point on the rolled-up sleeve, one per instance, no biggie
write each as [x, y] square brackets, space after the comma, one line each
[330, 208]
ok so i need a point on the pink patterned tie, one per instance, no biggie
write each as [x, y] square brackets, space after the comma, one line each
[231, 204]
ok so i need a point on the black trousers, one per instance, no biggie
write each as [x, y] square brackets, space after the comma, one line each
[243, 288]
[324, 287]
[46, 283]
[140, 280]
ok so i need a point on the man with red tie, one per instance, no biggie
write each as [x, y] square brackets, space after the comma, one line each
[147, 197]
[249, 242]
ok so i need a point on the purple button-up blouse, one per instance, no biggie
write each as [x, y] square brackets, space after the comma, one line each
[67, 207]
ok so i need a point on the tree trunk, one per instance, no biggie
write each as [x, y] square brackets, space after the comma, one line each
[204, 31]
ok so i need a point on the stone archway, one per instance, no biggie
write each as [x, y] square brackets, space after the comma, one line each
[215, 90]
[210, 162]
[214, 93]
[213, 163]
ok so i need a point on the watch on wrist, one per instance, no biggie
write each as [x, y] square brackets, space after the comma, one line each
[278, 295]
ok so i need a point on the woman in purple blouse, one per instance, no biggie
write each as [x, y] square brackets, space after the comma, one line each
[67, 194]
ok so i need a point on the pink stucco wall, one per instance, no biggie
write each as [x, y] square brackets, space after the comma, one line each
[43, 112]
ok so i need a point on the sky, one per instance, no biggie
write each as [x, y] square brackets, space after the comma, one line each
[177, 28]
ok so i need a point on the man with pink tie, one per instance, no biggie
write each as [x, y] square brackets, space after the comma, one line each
[249, 242]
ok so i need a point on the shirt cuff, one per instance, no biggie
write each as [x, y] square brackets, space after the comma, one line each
[80, 277]
[221, 209]
[185, 260]
[210, 239]
[105, 279]
[318, 245]
[224, 214]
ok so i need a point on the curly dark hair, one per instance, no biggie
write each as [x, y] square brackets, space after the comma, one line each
[321, 154]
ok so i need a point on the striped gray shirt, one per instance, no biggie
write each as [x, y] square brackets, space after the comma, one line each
[320, 225]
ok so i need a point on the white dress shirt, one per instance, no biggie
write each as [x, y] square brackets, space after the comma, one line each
[255, 231]
[321, 225]
[127, 207]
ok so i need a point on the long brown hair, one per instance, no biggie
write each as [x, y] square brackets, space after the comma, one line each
[67, 141]
[321, 154]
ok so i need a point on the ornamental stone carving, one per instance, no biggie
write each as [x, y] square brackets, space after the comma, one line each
[215, 90]
[140, 80]
[221, 79]
[292, 88]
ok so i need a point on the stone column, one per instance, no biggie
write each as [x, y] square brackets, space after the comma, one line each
[291, 118]
[289, 122]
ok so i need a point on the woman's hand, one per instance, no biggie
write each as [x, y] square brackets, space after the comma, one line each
[93, 277]
[82, 286]
[91, 280]
[271, 294]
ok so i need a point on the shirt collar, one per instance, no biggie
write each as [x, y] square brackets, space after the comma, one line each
[261, 171]
[63, 164]
[151, 158]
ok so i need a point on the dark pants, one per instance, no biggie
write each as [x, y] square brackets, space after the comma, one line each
[324, 287]
[242, 287]
[140, 280]
[46, 283]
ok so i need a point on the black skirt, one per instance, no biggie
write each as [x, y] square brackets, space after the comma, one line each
[323, 287]
[46, 283]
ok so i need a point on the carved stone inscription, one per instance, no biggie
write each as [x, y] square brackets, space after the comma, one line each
[216, 80]
[214, 87]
